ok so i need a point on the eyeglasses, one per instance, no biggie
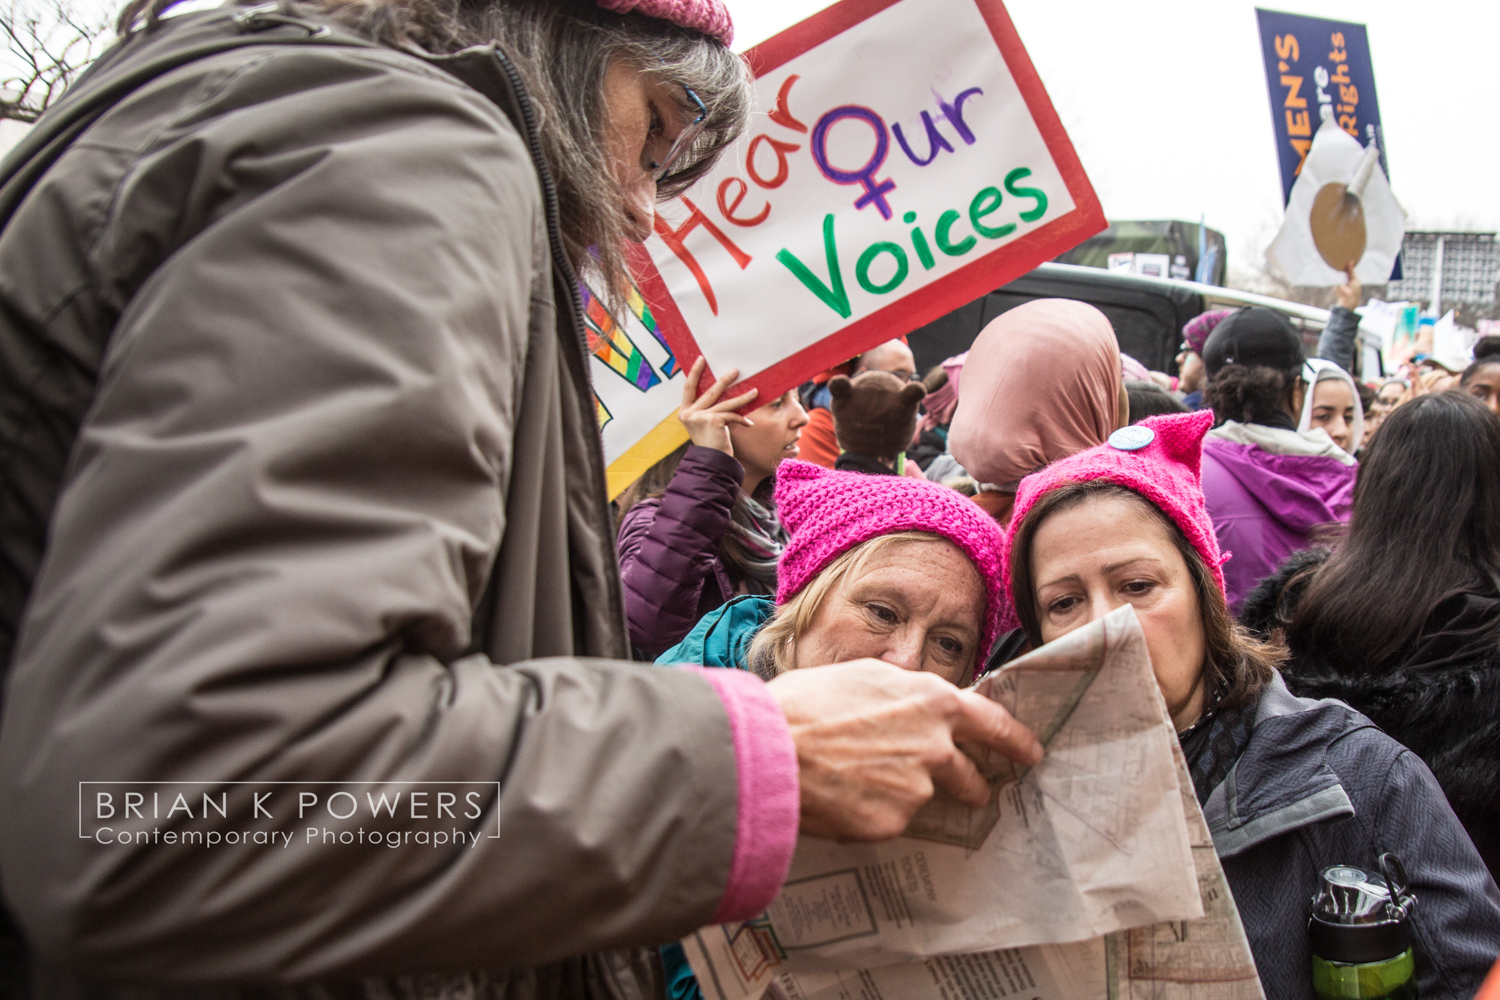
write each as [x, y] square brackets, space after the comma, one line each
[685, 139]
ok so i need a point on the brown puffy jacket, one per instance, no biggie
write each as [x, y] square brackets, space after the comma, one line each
[335, 514]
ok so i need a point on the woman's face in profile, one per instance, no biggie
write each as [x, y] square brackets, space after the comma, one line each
[918, 605]
[1485, 384]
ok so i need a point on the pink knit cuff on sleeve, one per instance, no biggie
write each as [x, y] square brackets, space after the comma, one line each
[769, 799]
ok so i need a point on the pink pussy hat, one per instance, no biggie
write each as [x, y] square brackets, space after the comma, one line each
[1196, 332]
[1160, 458]
[708, 16]
[828, 513]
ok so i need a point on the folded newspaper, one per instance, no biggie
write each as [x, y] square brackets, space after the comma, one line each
[1089, 875]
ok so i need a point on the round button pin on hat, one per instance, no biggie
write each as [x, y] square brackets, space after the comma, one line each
[1132, 438]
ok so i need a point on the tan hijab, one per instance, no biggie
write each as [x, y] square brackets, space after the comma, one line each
[1041, 382]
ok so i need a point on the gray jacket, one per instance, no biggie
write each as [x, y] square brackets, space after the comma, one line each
[1339, 340]
[336, 513]
[1319, 785]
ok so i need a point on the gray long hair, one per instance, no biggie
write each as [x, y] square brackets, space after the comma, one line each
[563, 49]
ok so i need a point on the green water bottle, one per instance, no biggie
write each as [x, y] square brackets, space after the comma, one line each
[1361, 935]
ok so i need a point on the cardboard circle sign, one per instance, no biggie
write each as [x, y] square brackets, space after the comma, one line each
[1338, 226]
[1342, 209]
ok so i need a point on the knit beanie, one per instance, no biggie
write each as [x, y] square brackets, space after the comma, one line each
[1197, 329]
[708, 16]
[1254, 337]
[828, 513]
[1159, 458]
[875, 412]
[942, 394]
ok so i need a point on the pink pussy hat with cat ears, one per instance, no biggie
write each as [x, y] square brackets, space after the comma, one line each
[1160, 458]
[828, 513]
[708, 16]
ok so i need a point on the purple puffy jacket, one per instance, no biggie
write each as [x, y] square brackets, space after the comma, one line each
[669, 551]
[1266, 489]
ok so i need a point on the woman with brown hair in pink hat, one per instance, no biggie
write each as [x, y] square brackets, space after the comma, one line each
[1289, 786]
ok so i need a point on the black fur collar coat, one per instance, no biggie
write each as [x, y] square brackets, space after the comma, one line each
[1441, 703]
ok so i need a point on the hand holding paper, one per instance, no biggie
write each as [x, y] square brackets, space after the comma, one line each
[873, 740]
[1102, 837]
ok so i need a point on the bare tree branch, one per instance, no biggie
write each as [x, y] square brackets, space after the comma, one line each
[44, 46]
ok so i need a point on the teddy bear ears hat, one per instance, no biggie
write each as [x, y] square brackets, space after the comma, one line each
[875, 412]
[710, 17]
[828, 513]
[1160, 458]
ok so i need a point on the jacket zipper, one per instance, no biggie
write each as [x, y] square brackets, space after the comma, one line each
[565, 268]
[549, 194]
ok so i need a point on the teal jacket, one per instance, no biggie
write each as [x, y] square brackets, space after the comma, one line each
[721, 639]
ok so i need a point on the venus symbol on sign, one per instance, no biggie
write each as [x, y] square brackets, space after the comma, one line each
[875, 188]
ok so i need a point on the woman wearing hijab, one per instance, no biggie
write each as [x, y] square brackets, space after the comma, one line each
[1332, 405]
[1041, 382]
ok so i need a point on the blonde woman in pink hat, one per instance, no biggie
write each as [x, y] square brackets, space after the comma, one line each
[887, 568]
[1289, 786]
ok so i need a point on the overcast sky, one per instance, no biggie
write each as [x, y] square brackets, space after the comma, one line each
[1166, 103]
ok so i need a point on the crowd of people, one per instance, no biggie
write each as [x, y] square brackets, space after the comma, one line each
[301, 485]
[1320, 591]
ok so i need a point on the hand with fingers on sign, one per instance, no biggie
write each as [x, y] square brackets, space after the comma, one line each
[708, 417]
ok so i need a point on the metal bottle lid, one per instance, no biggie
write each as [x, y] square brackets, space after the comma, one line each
[1359, 916]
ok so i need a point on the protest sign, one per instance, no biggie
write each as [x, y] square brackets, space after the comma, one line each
[1317, 69]
[904, 160]
[1342, 214]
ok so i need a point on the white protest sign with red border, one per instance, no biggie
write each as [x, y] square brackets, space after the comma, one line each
[904, 160]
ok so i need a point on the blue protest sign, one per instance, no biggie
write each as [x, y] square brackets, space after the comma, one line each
[1316, 68]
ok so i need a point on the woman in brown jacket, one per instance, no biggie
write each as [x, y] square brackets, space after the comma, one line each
[301, 496]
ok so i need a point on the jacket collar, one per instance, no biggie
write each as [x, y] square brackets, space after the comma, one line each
[487, 70]
[1282, 781]
[1282, 440]
[722, 638]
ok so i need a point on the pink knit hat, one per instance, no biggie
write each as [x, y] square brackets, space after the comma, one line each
[1160, 459]
[828, 513]
[1196, 332]
[708, 16]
